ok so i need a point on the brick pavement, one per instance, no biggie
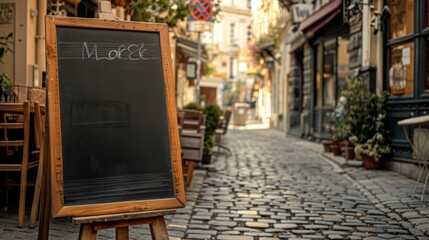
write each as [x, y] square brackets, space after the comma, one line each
[274, 187]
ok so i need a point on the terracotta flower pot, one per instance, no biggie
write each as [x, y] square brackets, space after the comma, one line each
[349, 153]
[343, 144]
[370, 163]
[335, 148]
[327, 145]
[358, 156]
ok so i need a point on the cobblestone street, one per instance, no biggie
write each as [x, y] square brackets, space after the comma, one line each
[273, 187]
[276, 188]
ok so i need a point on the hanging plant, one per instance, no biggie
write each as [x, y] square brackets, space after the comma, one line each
[254, 54]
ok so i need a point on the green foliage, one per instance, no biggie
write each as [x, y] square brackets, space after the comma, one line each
[361, 107]
[5, 84]
[163, 11]
[193, 106]
[212, 113]
[209, 142]
[209, 70]
[5, 81]
[340, 129]
[360, 117]
[5, 41]
[378, 144]
[275, 28]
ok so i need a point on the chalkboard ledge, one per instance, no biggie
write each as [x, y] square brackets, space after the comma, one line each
[121, 216]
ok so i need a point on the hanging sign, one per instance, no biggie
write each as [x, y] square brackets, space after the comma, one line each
[300, 12]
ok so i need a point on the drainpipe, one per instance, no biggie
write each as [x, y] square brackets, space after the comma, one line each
[42, 7]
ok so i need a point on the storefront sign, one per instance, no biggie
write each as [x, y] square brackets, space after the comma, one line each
[301, 11]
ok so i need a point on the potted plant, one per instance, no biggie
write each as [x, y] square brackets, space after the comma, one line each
[213, 113]
[378, 145]
[359, 109]
[353, 143]
[340, 129]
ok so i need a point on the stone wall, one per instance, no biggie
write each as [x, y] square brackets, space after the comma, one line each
[355, 45]
[293, 94]
[306, 126]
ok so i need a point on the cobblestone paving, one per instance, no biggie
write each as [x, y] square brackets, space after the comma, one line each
[63, 229]
[274, 187]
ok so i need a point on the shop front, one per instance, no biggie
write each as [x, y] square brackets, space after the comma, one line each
[405, 71]
[328, 39]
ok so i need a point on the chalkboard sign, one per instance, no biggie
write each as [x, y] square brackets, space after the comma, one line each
[113, 125]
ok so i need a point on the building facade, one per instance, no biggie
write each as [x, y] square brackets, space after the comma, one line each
[382, 41]
[402, 68]
[228, 44]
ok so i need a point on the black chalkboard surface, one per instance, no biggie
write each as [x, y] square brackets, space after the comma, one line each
[114, 115]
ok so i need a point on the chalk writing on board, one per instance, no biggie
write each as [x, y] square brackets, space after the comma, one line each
[134, 52]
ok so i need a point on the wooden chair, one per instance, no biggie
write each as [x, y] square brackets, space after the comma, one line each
[180, 120]
[39, 127]
[18, 137]
[192, 142]
[222, 130]
[193, 120]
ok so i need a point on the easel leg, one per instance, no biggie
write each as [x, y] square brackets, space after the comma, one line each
[190, 172]
[158, 229]
[87, 232]
[122, 233]
[45, 208]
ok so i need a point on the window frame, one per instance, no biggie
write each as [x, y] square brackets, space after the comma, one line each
[420, 39]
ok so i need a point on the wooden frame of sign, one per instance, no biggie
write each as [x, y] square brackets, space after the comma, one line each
[114, 142]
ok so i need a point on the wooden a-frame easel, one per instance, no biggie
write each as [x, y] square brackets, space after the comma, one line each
[90, 225]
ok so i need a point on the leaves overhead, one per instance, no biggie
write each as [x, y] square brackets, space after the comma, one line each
[163, 11]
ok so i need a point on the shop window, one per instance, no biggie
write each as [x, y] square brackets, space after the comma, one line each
[232, 40]
[402, 18]
[329, 73]
[401, 69]
[343, 62]
[249, 33]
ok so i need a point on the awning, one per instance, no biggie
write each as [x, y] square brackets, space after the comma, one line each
[189, 48]
[267, 48]
[321, 17]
